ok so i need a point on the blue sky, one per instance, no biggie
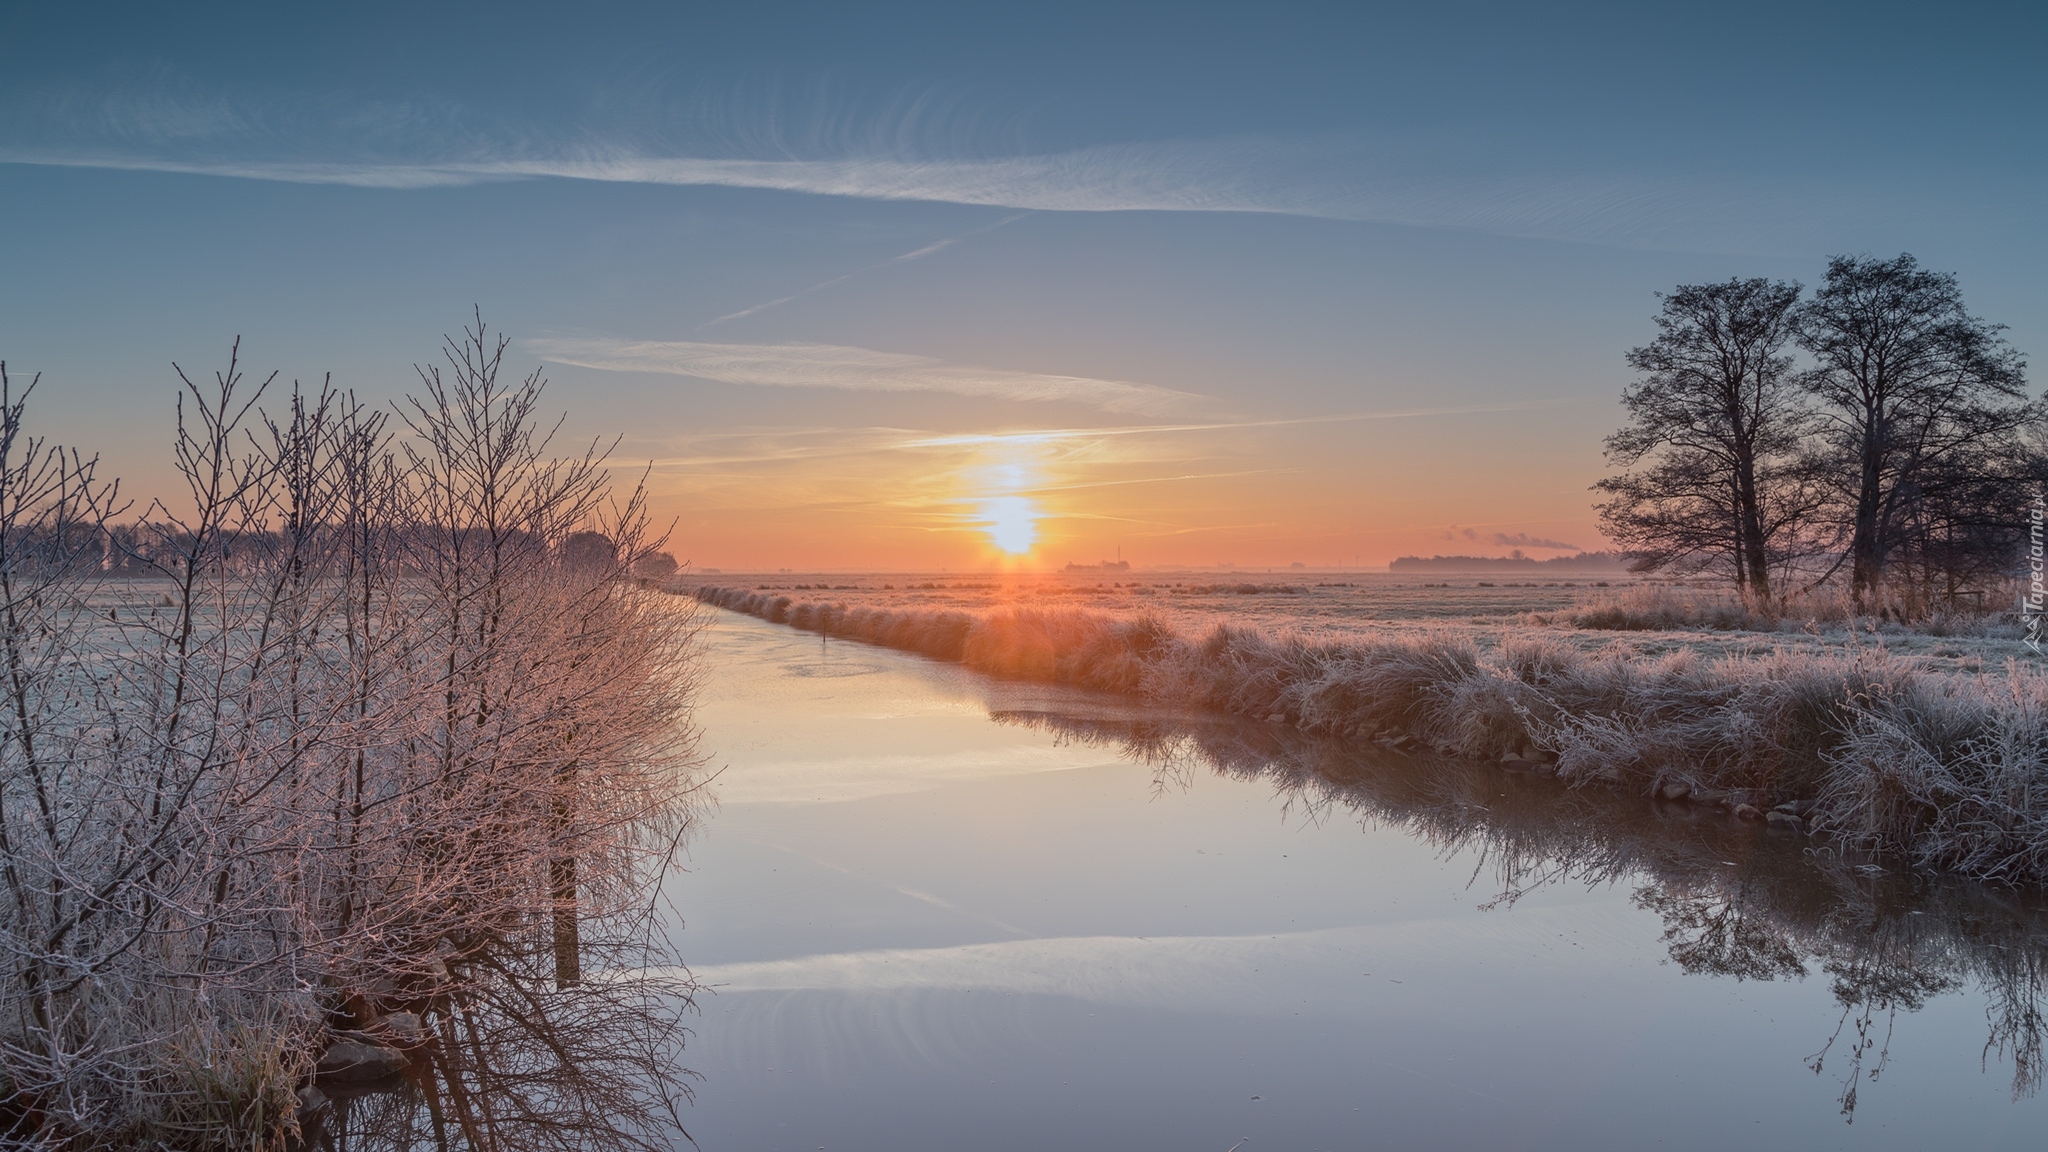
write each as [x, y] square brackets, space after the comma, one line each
[1251, 283]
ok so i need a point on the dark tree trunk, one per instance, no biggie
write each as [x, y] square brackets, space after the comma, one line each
[1716, 430]
[568, 943]
[1866, 543]
[1755, 581]
[1916, 392]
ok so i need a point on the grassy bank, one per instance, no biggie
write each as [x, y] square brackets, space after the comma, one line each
[1940, 771]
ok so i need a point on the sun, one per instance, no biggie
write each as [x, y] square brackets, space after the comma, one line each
[1011, 523]
[1005, 471]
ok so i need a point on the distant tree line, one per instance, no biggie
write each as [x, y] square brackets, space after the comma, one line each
[1874, 431]
[144, 547]
[1585, 563]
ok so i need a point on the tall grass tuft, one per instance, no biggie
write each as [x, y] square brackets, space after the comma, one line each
[1657, 608]
[1665, 608]
[1949, 775]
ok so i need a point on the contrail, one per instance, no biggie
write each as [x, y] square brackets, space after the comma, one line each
[915, 254]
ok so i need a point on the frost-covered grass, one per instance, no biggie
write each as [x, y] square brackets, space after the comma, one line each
[1887, 751]
[1645, 618]
[1665, 607]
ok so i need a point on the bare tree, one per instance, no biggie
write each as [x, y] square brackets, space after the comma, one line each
[1920, 402]
[344, 731]
[1712, 450]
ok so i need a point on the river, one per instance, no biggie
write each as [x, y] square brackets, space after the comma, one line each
[935, 911]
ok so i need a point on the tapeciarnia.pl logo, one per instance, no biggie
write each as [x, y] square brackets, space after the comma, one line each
[2037, 568]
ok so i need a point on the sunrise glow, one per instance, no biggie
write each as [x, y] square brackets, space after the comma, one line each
[1001, 480]
[1011, 523]
[1120, 575]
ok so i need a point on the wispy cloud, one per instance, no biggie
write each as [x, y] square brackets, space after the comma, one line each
[1049, 435]
[905, 258]
[1510, 540]
[1167, 177]
[1524, 540]
[855, 369]
[1336, 180]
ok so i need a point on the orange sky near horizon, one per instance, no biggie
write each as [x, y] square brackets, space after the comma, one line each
[949, 289]
[1323, 492]
[1355, 489]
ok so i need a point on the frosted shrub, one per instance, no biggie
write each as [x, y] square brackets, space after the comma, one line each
[354, 731]
[1951, 779]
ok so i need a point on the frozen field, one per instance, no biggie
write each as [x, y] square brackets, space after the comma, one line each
[1355, 605]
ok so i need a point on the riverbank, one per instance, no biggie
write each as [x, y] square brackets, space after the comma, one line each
[1932, 769]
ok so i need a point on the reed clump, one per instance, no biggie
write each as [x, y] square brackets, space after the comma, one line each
[1944, 771]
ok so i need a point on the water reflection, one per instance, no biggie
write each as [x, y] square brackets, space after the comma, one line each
[515, 1064]
[1737, 901]
[865, 987]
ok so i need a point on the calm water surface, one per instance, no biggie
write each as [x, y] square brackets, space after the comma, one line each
[939, 912]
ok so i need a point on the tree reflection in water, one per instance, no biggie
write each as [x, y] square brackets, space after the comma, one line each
[522, 1065]
[1737, 900]
[514, 1064]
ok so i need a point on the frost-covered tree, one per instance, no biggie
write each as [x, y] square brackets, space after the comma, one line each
[347, 730]
[1924, 410]
[1712, 469]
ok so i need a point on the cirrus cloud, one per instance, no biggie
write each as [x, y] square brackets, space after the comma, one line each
[1524, 540]
[855, 369]
[1338, 180]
